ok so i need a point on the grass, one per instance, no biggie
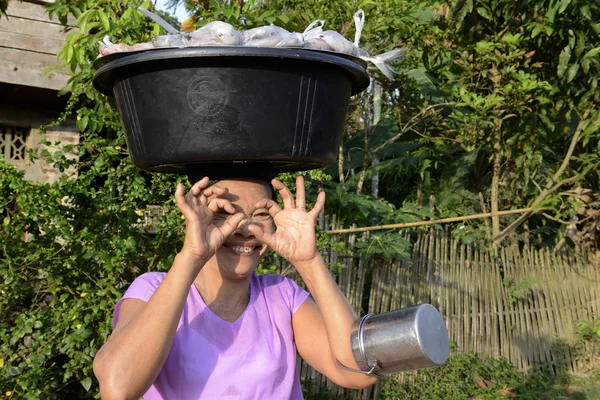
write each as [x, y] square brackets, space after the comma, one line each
[471, 377]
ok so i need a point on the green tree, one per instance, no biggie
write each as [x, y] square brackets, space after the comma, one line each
[71, 248]
[3, 7]
[486, 84]
[522, 80]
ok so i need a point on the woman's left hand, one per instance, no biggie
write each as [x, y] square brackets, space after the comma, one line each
[294, 238]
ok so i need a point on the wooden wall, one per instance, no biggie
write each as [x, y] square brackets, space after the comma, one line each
[29, 42]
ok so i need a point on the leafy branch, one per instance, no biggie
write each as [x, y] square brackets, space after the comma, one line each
[550, 188]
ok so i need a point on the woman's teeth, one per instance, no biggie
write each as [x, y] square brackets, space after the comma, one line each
[242, 249]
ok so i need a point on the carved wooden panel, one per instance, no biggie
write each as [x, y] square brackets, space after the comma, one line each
[13, 143]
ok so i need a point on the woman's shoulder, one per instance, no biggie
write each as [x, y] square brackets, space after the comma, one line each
[271, 279]
[277, 287]
[149, 279]
[275, 281]
[142, 288]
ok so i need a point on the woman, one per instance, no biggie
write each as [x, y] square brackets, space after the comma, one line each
[210, 327]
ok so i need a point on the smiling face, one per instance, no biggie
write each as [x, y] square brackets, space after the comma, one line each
[240, 254]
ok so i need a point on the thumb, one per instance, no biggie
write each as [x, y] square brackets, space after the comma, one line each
[260, 234]
[231, 224]
[182, 204]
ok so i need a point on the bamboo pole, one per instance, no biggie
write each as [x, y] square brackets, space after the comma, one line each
[431, 222]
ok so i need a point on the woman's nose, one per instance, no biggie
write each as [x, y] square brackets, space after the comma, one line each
[242, 228]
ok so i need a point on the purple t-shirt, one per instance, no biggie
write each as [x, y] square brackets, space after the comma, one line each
[251, 358]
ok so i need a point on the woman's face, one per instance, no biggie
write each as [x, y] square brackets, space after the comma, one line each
[241, 252]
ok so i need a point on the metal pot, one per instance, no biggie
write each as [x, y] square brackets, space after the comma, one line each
[402, 340]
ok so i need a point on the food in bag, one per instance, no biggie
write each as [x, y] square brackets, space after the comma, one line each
[265, 36]
[218, 33]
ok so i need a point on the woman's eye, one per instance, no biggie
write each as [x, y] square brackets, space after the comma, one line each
[261, 216]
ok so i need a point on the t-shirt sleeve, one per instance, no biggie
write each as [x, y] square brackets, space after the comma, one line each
[143, 287]
[295, 294]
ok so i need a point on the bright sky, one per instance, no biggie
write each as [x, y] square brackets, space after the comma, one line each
[180, 13]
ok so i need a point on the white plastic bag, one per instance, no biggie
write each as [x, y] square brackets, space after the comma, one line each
[312, 36]
[219, 33]
[293, 39]
[158, 19]
[216, 33]
[382, 61]
[107, 47]
[177, 40]
[338, 43]
[141, 46]
[359, 23]
[312, 30]
[265, 36]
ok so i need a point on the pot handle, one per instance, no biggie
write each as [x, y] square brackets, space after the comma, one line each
[371, 372]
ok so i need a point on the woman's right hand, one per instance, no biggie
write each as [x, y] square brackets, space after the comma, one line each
[202, 237]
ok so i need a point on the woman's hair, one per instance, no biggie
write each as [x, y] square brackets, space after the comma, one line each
[219, 172]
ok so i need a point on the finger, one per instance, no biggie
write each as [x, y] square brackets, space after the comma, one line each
[181, 201]
[179, 192]
[231, 224]
[202, 200]
[272, 207]
[197, 196]
[300, 195]
[218, 203]
[199, 186]
[262, 235]
[215, 190]
[286, 194]
[211, 191]
[320, 204]
[190, 199]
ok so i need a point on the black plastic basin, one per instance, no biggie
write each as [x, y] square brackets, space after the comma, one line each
[231, 107]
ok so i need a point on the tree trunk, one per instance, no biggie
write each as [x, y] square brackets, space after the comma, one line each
[377, 92]
[420, 192]
[488, 232]
[431, 204]
[341, 164]
[367, 127]
[365, 165]
[496, 178]
[375, 179]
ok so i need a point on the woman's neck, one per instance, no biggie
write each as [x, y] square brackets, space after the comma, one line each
[226, 298]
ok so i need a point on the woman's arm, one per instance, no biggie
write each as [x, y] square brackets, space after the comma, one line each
[321, 330]
[326, 324]
[133, 356]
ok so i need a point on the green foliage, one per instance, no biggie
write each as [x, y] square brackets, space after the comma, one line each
[312, 392]
[3, 7]
[519, 76]
[463, 376]
[530, 68]
[469, 376]
[390, 246]
[590, 330]
[518, 290]
[69, 251]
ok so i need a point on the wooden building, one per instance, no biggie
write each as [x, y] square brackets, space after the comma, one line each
[29, 42]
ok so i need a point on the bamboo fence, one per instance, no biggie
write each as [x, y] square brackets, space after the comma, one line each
[478, 297]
